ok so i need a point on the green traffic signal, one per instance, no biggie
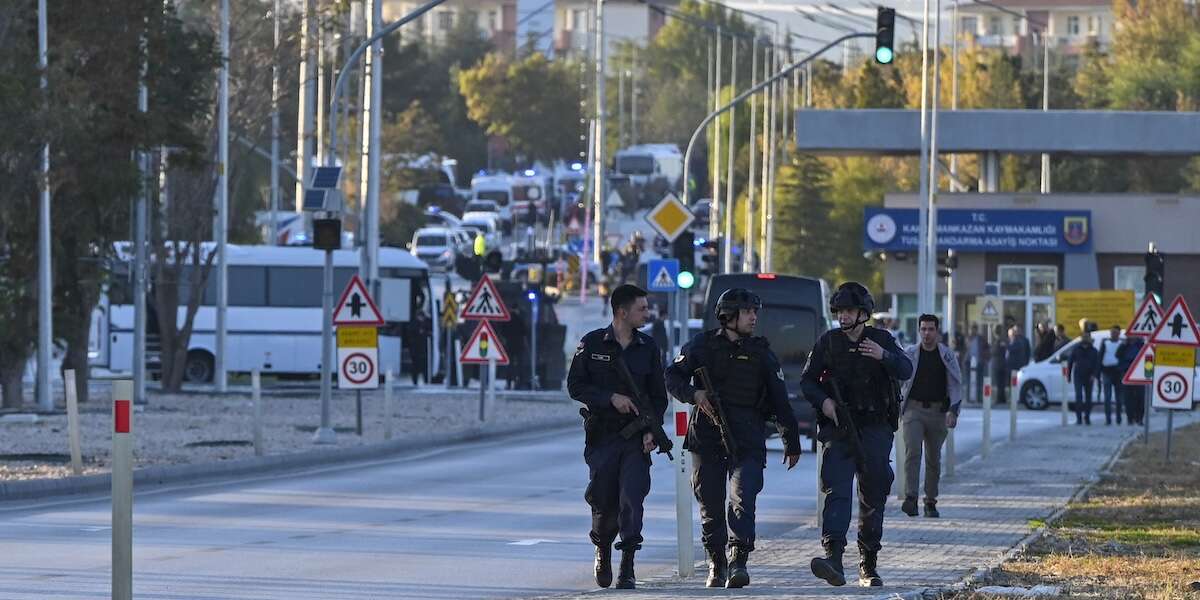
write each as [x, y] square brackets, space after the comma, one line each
[884, 55]
[686, 280]
[885, 34]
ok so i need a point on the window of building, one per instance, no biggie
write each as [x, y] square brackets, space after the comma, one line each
[1093, 25]
[1027, 294]
[579, 19]
[1016, 25]
[993, 25]
[1073, 25]
[445, 20]
[1130, 278]
[493, 20]
[969, 25]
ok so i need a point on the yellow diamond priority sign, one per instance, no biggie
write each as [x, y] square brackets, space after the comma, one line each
[670, 217]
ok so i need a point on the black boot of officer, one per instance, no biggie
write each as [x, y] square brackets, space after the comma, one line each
[718, 568]
[739, 576]
[604, 565]
[829, 567]
[868, 576]
[626, 580]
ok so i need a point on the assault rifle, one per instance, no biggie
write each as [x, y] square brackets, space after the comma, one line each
[718, 416]
[846, 429]
[644, 419]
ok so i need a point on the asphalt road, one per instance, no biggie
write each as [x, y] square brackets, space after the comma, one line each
[496, 519]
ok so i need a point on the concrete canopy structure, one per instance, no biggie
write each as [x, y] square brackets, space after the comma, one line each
[1078, 132]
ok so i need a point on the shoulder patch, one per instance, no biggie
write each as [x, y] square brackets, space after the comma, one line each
[680, 358]
[779, 374]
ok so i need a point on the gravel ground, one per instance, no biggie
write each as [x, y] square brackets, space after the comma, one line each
[191, 428]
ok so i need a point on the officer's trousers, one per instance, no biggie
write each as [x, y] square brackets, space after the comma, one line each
[837, 475]
[729, 523]
[618, 482]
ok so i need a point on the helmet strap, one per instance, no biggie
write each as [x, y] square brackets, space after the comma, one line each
[861, 319]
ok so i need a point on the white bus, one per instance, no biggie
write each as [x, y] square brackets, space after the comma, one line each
[273, 322]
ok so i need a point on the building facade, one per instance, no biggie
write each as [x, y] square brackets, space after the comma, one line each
[624, 21]
[1026, 247]
[496, 20]
[1071, 25]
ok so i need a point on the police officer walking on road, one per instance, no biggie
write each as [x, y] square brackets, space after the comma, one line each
[618, 468]
[749, 386]
[932, 399]
[859, 367]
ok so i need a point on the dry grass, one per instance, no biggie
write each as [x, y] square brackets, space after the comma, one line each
[1136, 535]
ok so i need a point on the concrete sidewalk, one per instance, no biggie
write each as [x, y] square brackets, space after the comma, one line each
[990, 508]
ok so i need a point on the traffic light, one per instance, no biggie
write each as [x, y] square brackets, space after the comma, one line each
[885, 34]
[710, 258]
[947, 263]
[683, 249]
[1155, 273]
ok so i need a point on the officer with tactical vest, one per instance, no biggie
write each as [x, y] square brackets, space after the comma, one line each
[617, 445]
[749, 387]
[851, 379]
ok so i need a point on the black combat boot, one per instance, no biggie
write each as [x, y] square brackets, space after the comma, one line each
[931, 510]
[868, 576]
[910, 506]
[626, 580]
[738, 575]
[829, 568]
[604, 565]
[718, 568]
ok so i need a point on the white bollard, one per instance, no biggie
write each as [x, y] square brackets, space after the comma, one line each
[256, 395]
[387, 404]
[490, 403]
[122, 490]
[1065, 396]
[986, 448]
[901, 471]
[1013, 398]
[949, 459]
[458, 365]
[820, 492]
[683, 493]
[73, 422]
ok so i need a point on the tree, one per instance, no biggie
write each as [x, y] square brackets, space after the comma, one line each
[802, 227]
[532, 103]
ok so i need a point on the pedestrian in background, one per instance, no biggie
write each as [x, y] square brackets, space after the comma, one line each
[1134, 395]
[999, 366]
[1111, 374]
[1060, 337]
[618, 468]
[931, 401]
[980, 354]
[1045, 342]
[1083, 367]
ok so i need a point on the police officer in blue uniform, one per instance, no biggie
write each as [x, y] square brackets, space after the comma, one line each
[864, 364]
[618, 468]
[750, 386]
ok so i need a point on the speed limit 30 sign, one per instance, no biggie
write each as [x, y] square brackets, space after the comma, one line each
[357, 357]
[1174, 368]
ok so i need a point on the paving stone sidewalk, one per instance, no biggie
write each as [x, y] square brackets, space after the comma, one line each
[988, 508]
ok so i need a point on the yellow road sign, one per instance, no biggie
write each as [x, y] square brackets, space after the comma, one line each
[670, 217]
[350, 336]
[1105, 308]
[1174, 356]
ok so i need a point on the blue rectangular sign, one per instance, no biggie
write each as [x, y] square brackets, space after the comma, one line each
[967, 230]
[661, 275]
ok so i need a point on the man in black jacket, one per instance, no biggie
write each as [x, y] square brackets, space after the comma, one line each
[750, 386]
[618, 467]
[860, 365]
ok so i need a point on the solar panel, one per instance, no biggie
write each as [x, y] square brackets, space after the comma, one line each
[314, 199]
[326, 178]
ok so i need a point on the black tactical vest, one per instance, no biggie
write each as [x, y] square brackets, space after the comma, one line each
[864, 384]
[736, 371]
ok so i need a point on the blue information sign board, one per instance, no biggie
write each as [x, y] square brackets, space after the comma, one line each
[661, 275]
[967, 230]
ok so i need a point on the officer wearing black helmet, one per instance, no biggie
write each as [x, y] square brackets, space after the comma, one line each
[860, 367]
[749, 383]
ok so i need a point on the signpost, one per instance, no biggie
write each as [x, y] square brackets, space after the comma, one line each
[1174, 362]
[1141, 372]
[357, 318]
[122, 490]
[484, 348]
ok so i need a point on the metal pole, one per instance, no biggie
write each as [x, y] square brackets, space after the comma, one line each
[924, 302]
[122, 490]
[901, 472]
[274, 229]
[598, 156]
[730, 200]
[222, 226]
[319, 105]
[748, 235]
[1012, 406]
[716, 158]
[931, 267]
[256, 397]
[368, 226]
[358, 411]
[304, 109]
[387, 402]
[633, 93]
[620, 107]
[1170, 428]
[954, 92]
[45, 400]
[776, 96]
[986, 447]
[1064, 403]
[1146, 402]
[325, 433]
[73, 422]
[533, 357]
[1046, 103]
[139, 241]
[683, 494]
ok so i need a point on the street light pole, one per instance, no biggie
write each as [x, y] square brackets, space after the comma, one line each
[748, 235]
[598, 180]
[715, 207]
[1046, 102]
[727, 246]
[931, 270]
[275, 127]
[45, 400]
[222, 224]
[924, 302]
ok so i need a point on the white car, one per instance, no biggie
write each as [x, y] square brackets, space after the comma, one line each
[486, 223]
[481, 206]
[435, 246]
[1044, 383]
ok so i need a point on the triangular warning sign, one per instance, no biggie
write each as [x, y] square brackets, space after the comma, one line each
[485, 302]
[989, 309]
[1146, 319]
[356, 306]
[1142, 369]
[663, 279]
[1177, 326]
[483, 344]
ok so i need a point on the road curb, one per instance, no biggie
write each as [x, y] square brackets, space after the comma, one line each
[157, 475]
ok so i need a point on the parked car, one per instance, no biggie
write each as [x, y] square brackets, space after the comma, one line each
[435, 246]
[1044, 382]
[436, 217]
[481, 206]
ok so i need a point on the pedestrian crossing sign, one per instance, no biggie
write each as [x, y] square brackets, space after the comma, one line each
[485, 302]
[661, 275]
[989, 311]
[1146, 319]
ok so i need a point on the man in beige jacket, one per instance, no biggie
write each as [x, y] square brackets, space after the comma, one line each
[930, 408]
